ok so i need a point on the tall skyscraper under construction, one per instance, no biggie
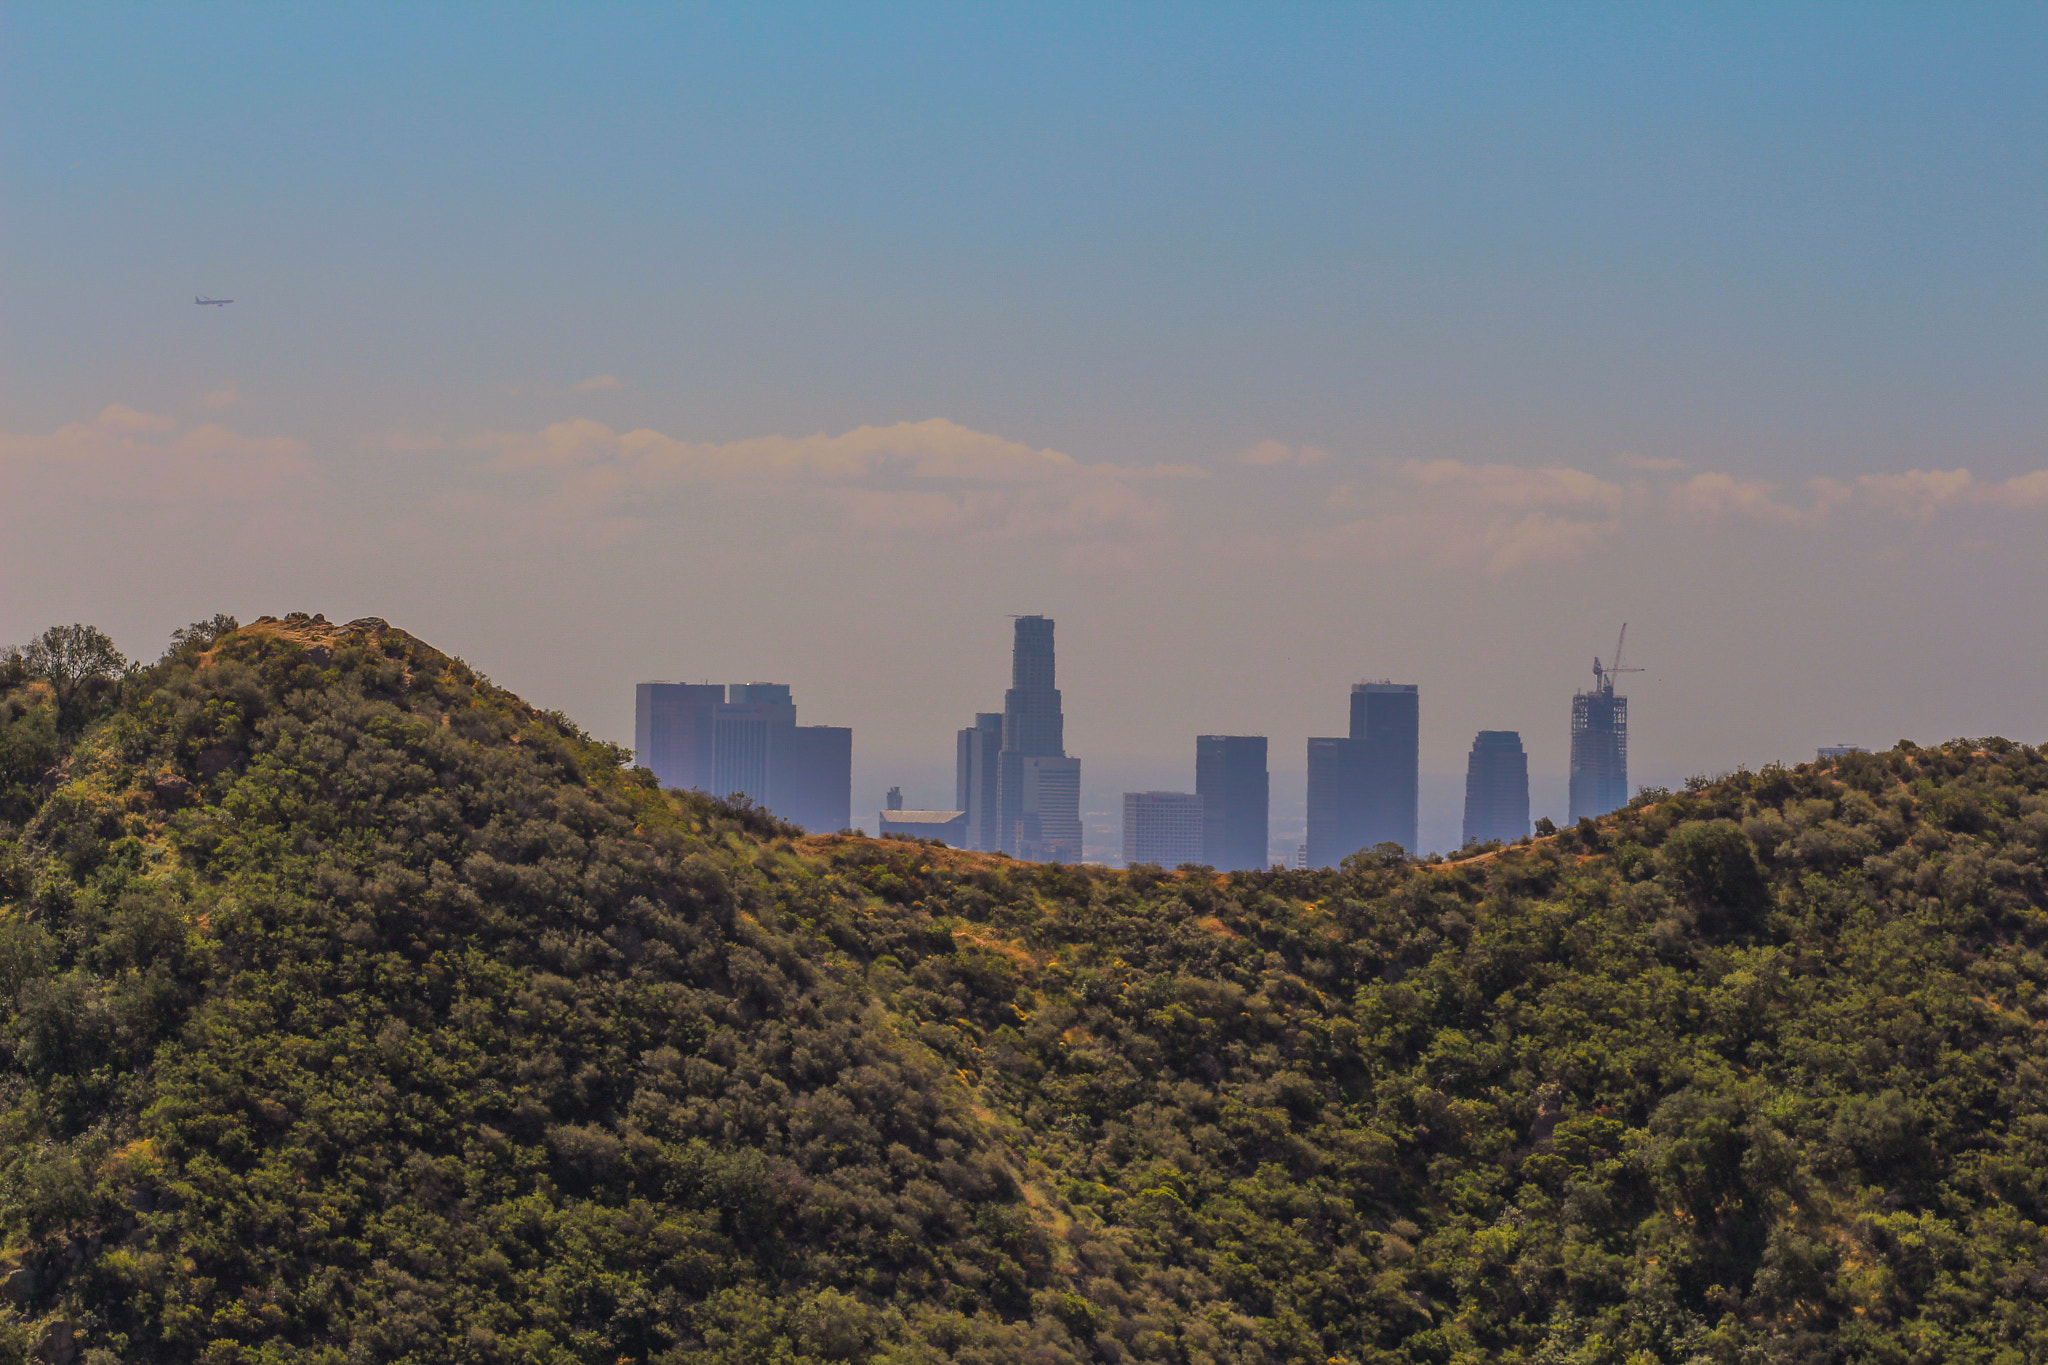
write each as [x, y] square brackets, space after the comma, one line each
[1600, 741]
[1038, 786]
[1363, 789]
[1496, 788]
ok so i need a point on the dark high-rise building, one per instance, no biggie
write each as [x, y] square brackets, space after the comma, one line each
[747, 732]
[975, 787]
[1038, 787]
[811, 782]
[1496, 788]
[1336, 822]
[672, 731]
[1231, 779]
[1363, 789]
[1386, 722]
[744, 740]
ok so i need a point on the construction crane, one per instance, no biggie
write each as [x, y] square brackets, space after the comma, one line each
[1603, 678]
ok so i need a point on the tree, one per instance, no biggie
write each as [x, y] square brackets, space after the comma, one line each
[70, 659]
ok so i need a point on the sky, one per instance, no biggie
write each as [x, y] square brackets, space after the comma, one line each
[1266, 348]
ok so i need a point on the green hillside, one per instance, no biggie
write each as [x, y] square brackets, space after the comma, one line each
[356, 1011]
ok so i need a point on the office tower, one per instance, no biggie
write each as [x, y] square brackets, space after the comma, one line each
[672, 731]
[895, 799]
[1336, 823]
[744, 740]
[1049, 810]
[746, 734]
[1600, 741]
[1038, 787]
[1386, 723]
[811, 781]
[1230, 777]
[1496, 788]
[975, 787]
[1163, 827]
[1363, 789]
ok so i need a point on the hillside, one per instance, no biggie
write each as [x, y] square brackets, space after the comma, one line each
[356, 1011]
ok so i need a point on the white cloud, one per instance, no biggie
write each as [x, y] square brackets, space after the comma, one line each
[127, 455]
[1278, 453]
[933, 476]
[1721, 495]
[1451, 514]
[121, 417]
[1917, 492]
[600, 381]
[1651, 464]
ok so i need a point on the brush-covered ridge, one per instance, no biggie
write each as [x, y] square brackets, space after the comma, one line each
[356, 1011]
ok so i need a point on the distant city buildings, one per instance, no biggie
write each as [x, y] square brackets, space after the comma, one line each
[1232, 782]
[744, 740]
[976, 788]
[1038, 788]
[1839, 751]
[673, 728]
[1163, 828]
[1364, 789]
[1496, 788]
[1016, 789]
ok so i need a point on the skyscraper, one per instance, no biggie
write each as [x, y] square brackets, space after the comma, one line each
[747, 731]
[1496, 788]
[975, 786]
[811, 782]
[1038, 799]
[1599, 752]
[1363, 789]
[1049, 819]
[1386, 723]
[1600, 741]
[745, 740]
[1231, 779]
[1336, 824]
[672, 731]
[1163, 828]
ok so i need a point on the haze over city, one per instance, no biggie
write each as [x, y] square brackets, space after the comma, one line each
[1266, 356]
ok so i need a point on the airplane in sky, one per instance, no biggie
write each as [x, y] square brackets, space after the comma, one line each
[218, 303]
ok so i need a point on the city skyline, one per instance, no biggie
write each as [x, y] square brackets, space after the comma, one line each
[1403, 342]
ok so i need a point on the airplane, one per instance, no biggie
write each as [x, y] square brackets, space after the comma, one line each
[218, 303]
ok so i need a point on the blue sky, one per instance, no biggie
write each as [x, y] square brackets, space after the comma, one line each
[1759, 245]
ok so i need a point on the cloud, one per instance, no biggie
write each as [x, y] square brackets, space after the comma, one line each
[1651, 464]
[600, 381]
[1721, 495]
[226, 396]
[1277, 453]
[121, 417]
[1495, 517]
[1917, 492]
[2027, 490]
[124, 455]
[933, 476]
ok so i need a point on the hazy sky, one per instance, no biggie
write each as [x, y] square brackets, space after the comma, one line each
[1267, 348]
